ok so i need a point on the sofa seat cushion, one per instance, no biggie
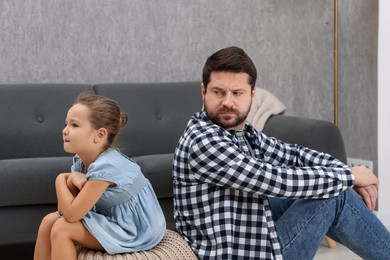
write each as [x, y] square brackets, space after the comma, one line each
[20, 224]
[30, 181]
[157, 168]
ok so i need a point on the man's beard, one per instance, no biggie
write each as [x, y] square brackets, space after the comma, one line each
[218, 119]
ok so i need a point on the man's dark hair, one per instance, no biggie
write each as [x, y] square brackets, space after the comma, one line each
[230, 59]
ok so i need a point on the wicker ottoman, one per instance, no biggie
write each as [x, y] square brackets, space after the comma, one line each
[171, 247]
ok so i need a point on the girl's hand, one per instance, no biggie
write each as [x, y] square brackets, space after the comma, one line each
[77, 180]
[76, 196]
[74, 208]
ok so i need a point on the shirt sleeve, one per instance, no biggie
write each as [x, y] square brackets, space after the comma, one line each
[280, 169]
[77, 165]
[103, 171]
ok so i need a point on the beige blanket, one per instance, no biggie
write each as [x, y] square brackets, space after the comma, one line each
[264, 105]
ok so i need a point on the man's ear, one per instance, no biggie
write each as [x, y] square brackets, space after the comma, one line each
[203, 90]
[253, 92]
[101, 135]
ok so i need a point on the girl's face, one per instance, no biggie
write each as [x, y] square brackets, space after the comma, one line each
[78, 134]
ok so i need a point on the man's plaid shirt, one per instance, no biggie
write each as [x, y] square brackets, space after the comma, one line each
[221, 190]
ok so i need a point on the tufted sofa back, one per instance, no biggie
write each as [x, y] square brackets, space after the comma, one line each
[32, 117]
[158, 114]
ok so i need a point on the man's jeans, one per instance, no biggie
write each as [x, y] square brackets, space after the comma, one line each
[302, 224]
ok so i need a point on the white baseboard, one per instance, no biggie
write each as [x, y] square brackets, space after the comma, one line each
[384, 217]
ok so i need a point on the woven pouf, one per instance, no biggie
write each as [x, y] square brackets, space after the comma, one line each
[171, 247]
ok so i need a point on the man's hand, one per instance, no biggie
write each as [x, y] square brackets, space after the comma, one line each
[369, 195]
[366, 185]
[364, 176]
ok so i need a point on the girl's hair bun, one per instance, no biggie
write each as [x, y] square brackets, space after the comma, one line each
[122, 119]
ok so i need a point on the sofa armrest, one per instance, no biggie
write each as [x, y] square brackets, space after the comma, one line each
[319, 135]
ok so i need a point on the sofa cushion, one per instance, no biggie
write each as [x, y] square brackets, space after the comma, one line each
[30, 181]
[316, 134]
[32, 117]
[158, 113]
[20, 224]
[157, 168]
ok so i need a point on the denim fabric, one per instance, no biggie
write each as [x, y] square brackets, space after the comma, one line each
[301, 225]
[127, 217]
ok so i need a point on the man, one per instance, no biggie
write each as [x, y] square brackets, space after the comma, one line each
[239, 194]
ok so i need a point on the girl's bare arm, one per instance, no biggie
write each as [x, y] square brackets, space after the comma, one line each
[72, 207]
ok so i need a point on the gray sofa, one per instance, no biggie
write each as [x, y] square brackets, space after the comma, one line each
[31, 152]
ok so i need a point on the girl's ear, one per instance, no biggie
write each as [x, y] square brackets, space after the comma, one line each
[101, 135]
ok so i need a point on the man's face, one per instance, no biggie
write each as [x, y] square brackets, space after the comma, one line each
[228, 99]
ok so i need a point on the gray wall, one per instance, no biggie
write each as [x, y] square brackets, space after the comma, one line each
[291, 42]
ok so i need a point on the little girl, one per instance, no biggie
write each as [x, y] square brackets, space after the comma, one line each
[105, 203]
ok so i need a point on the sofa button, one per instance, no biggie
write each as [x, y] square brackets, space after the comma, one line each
[40, 119]
[159, 116]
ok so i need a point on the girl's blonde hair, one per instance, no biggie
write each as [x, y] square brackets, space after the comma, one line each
[104, 113]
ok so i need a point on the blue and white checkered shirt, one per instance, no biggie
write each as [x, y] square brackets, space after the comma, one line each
[221, 190]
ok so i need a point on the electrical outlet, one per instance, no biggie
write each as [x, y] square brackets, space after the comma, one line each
[357, 162]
